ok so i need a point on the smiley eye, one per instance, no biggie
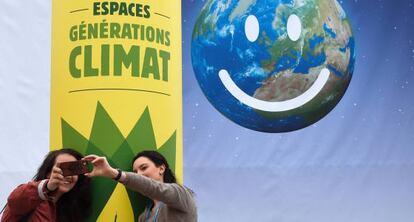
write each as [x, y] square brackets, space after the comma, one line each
[251, 28]
[294, 27]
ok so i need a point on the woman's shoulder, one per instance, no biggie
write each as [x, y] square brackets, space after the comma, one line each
[186, 189]
[185, 195]
[28, 189]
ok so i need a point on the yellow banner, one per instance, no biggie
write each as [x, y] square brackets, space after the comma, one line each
[116, 88]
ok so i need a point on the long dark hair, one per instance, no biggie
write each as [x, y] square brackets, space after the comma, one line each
[158, 160]
[74, 205]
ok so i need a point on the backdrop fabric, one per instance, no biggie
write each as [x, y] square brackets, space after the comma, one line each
[355, 164]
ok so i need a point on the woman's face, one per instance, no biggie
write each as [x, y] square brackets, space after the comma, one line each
[146, 167]
[69, 181]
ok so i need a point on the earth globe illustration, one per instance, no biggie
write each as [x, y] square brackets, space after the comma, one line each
[273, 66]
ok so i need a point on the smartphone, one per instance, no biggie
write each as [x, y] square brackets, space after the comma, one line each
[74, 167]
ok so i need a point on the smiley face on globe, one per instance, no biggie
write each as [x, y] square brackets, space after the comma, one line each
[273, 66]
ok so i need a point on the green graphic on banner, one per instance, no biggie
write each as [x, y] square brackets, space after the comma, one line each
[107, 140]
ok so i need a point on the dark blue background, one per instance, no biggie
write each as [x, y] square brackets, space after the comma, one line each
[355, 164]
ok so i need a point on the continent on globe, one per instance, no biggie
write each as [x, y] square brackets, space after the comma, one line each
[273, 66]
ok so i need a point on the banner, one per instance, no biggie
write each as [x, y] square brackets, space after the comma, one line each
[116, 89]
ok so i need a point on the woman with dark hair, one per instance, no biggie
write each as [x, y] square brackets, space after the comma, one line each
[51, 196]
[154, 179]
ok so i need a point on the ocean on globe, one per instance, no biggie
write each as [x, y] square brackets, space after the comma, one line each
[273, 65]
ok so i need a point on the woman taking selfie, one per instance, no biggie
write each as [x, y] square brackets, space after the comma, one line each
[154, 179]
[51, 196]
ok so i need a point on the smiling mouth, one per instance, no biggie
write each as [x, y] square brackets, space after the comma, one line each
[278, 106]
[294, 29]
[67, 181]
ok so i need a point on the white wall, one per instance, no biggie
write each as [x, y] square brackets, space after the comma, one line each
[24, 90]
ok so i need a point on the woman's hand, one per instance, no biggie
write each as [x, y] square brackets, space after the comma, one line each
[56, 178]
[101, 167]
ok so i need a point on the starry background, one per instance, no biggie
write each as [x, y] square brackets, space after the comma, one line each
[355, 164]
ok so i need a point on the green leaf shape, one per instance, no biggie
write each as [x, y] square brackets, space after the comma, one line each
[142, 135]
[122, 154]
[105, 134]
[72, 139]
[168, 150]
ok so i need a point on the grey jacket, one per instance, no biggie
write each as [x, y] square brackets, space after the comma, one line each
[178, 201]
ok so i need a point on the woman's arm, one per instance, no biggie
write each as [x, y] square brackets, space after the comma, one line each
[24, 199]
[172, 194]
[27, 197]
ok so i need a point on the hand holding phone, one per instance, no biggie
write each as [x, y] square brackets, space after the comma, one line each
[74, 167]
